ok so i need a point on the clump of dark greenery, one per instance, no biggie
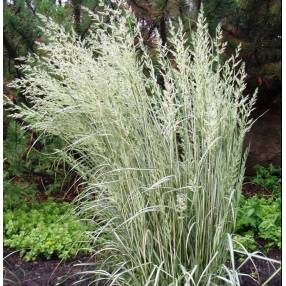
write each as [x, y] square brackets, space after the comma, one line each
[268, 178]
[31, 159]
[258, 216]
[24, 155]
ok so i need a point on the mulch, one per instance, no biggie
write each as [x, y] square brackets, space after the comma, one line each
[264, 269]
[42, 272]
[250, 190]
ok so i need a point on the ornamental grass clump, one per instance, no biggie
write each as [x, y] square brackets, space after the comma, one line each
[163, 163]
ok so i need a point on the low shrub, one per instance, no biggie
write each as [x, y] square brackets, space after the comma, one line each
[24, 155]
[262, 217]
[17, 193]
[31, 162]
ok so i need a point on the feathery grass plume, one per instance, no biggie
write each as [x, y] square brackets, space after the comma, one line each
[164, 166]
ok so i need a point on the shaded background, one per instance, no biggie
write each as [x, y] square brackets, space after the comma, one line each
[254, 24]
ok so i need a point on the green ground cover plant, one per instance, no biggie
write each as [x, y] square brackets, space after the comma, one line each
[260, 217]
[46, 228]
[165, 163]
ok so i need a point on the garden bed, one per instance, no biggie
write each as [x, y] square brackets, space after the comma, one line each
[44, 272]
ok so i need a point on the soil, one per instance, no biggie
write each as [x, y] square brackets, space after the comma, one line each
[42, 272]
[69, 191]
[264, 269]
[250, 190]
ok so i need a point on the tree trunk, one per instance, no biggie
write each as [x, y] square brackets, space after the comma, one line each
[162, 30]
[10, 49]
[76, 13]
[199, 4]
